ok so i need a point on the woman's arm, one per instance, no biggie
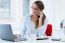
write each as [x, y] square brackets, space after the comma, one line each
[23, 30]
[23, 27]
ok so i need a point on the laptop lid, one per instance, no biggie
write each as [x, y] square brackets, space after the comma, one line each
[6, 32]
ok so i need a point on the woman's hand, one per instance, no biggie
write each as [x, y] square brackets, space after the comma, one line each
[40, 19]
[16, 35]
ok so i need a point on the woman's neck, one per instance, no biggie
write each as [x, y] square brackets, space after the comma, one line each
[34, 18]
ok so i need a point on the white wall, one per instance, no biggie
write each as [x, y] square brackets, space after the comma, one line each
[59, 10]
[59, 15]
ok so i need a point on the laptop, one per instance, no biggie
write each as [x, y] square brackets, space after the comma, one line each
[7, 34]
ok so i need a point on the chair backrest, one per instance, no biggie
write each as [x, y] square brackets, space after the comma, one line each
[49, 30]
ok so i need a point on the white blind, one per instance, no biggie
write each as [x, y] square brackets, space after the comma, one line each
[4, 8]
[25, 7]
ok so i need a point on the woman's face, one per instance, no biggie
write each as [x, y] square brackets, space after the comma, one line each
[35, 9]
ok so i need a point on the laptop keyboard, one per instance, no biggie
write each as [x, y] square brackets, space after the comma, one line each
[18, 38]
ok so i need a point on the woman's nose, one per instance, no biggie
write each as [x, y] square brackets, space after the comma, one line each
[33, 10]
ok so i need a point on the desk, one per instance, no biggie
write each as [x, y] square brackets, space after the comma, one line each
[34, 41]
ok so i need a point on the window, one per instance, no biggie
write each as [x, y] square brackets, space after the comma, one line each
[25, 7]
[4, 8]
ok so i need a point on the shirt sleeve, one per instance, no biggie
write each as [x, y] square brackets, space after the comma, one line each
[23, 27]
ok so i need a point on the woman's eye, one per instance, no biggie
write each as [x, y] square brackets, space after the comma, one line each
[36, 9]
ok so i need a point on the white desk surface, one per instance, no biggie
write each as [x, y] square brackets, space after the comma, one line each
[33, 41]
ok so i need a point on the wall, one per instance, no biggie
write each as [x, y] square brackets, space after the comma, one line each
[59, 10]
[59, 15]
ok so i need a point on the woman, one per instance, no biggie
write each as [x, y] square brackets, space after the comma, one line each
[35, 23]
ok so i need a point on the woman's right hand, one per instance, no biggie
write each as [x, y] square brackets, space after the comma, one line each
[17, 36]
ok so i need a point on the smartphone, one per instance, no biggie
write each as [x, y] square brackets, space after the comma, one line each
[56, 39]
[38, 16]
[42, 39]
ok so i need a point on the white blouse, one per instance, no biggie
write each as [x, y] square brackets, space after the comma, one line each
[28, 27]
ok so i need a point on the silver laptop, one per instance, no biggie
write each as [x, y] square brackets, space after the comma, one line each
[7, 34]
